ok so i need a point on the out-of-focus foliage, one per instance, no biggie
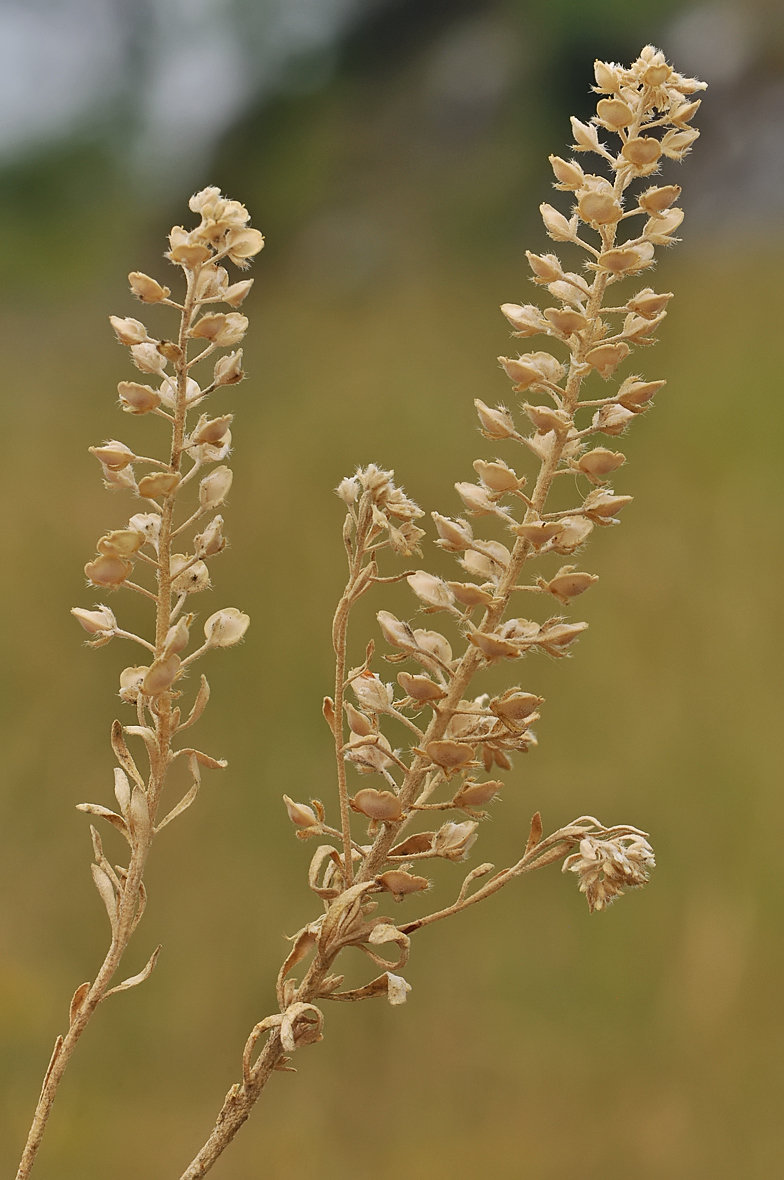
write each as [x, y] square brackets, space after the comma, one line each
[537, 1039]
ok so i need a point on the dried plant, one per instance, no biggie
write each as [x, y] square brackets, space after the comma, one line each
[453, 740]
[149, 540]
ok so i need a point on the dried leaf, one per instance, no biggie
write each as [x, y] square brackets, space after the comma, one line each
[535, 834]
[140, 816]
[55, 1054]
[135, 980]
[122, 790]
[106, 890]
[77, 1001]
[123, 754]
[183, 805]
[112, 817]
[204, 759]
[199, 705]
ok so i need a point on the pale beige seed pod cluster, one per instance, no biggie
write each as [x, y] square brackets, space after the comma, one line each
[163, 552]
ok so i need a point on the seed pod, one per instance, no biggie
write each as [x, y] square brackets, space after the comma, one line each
[214, 488]
[300, 814]
[226, 627]
[432, 592]
[546, 267]
[526, 320]
[147, 358]
[556, 638]
[454, 841]
[635, 395]
[565, 320]
[188, 576]
[643, 153]
[177, 637]
[396, 632]
[434, 643]
[421, 842]
[569, 582]
[131, 682]
[556, 225]
[237, 292]
[449, 755]
[493, 647]
[656, 200]
[108, 571]
[223, 329]
[613, 113]
[575, 531]
[138, 399]
[546, 419]
[515, 706]
[358, 722]
[539, 532]
[608, 79]
[211, 430]
[186, 250]
[599, 208]
[627, 259]
[420, 688]
[601, 505]
[607, 357]
[129, 331]
[475, 499]
[114, 455]
[159, 483]
[498, 477]
[147, 289]
[228, 370]
[95, 622]
[211, 541]
[121, 543]
[600, 462]
[160, 675]
[379, 805]
[244, 243]
[612, 419]
[648, 304]
[454, 535]
[496, 424]
[568, 174]
[400, 884]
[476, 794]
[469, 594]
[371, 693]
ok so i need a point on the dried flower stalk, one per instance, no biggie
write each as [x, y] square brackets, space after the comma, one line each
[649, 108]
[149, 540]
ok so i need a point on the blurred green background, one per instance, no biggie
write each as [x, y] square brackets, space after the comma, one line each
[396, 165]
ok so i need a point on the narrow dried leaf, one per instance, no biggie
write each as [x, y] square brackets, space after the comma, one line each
[123, 754]
[106, 890]
[183, 805]
[111, 817]
[139, 817]
[535, 834]
[199, 705]
[77, 1001]
[134, 980]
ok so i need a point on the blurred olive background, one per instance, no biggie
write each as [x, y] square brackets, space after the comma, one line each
[395, 154]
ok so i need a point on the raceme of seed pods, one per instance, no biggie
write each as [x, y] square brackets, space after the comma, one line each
[168, 547]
